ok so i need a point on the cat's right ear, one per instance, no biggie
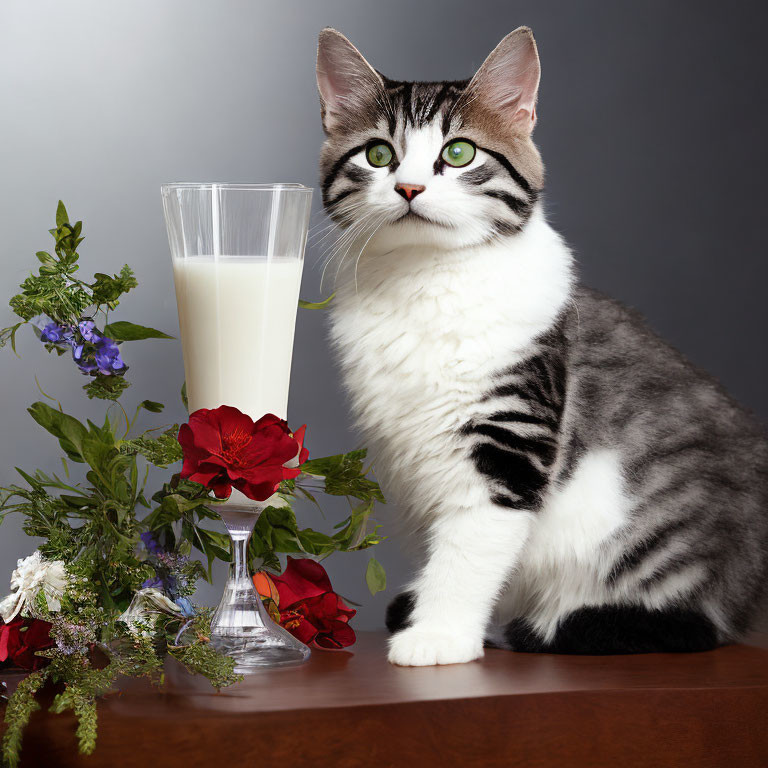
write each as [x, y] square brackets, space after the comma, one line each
[346, 81]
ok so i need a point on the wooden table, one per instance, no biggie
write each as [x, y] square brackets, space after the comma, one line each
[350, 709]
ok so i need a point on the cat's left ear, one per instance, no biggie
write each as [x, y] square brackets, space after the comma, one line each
[346, 81]
[507, 83]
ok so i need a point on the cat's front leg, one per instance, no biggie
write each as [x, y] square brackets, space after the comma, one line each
[470, 555]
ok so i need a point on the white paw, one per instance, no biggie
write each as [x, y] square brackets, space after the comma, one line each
[416, 647]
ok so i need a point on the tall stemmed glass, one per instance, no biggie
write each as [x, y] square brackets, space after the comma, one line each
[238, 253]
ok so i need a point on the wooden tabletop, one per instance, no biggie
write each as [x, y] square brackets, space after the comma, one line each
[351, 708]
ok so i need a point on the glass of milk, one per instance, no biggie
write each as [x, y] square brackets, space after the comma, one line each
[238, 253]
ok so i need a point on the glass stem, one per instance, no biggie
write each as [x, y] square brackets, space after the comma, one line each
[240, 528]
[239, 566]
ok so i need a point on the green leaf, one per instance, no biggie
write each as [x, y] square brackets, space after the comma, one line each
[174, 506]
[160, 451]
[317, 543]
[107, 290]
[375, 576]
[217, 542]
[151, 406]
[353, 529]
[122, 330]
[316, 304]
[278, 529]
[344, 475]
[68, 429]
[212, 544]
[106, 387]
[62, 217]
[9, 334]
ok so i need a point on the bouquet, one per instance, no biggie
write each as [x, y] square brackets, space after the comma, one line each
[110, 591]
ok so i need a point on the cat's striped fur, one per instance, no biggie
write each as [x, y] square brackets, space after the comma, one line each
[578, 486]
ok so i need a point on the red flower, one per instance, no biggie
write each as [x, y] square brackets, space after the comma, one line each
[21, 639]
[309, 608]
[224, 447]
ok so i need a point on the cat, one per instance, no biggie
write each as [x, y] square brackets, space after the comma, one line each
[576, 484]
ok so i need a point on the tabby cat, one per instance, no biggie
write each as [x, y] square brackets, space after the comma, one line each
[576, 484]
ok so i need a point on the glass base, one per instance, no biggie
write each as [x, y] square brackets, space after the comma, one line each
[256, 652]
[241, 627]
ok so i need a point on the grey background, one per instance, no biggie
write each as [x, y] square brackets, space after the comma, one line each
[652, 122]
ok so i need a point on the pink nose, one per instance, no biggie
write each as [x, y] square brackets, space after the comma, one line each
[409, 191]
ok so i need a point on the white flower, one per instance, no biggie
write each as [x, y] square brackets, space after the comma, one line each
[147, 603]
[33, 575]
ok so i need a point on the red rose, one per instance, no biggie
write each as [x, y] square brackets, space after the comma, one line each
[21, 639]
[309, 608]
[224, 447]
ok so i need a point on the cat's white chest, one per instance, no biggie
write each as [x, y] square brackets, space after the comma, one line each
[421, 334]
[415, 353]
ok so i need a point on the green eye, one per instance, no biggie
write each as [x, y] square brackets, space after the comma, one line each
[459, 153]
[379, 155]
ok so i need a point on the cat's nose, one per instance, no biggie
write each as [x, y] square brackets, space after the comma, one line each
[409, 191]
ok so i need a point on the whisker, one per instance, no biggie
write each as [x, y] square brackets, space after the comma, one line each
[359, 255]
[348, 236]
[364, 222]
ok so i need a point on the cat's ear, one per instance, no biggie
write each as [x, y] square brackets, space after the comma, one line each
[346, 81]
[508, 81]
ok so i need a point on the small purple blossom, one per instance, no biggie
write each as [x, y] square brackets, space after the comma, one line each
[151, 543]
[165, 583]
[101, 355]
[92, 351]
[108, 360]
[88, 330]
[53, 333]
[83, 359]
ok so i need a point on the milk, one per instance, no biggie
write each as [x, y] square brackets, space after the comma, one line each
[237, 318]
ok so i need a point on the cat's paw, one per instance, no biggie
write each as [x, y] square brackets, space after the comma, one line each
[417, 647]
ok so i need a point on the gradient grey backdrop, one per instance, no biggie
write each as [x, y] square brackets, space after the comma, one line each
[652, 123]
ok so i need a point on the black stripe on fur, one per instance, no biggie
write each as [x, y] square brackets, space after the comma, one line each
[542, 447]
[427, 116]
[336, 169]
[341, 196]
[357, 174]
[633, 558]
[515, 471]
[505, 228]
[515, 204]
[513, 172]
[478, 175]
[399, 612]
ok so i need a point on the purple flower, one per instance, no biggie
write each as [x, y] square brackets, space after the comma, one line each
[83, 359]
[108, 359]
[151, 543]
[88, 330]
[167, 584]
[53, 333]
[100, 354]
